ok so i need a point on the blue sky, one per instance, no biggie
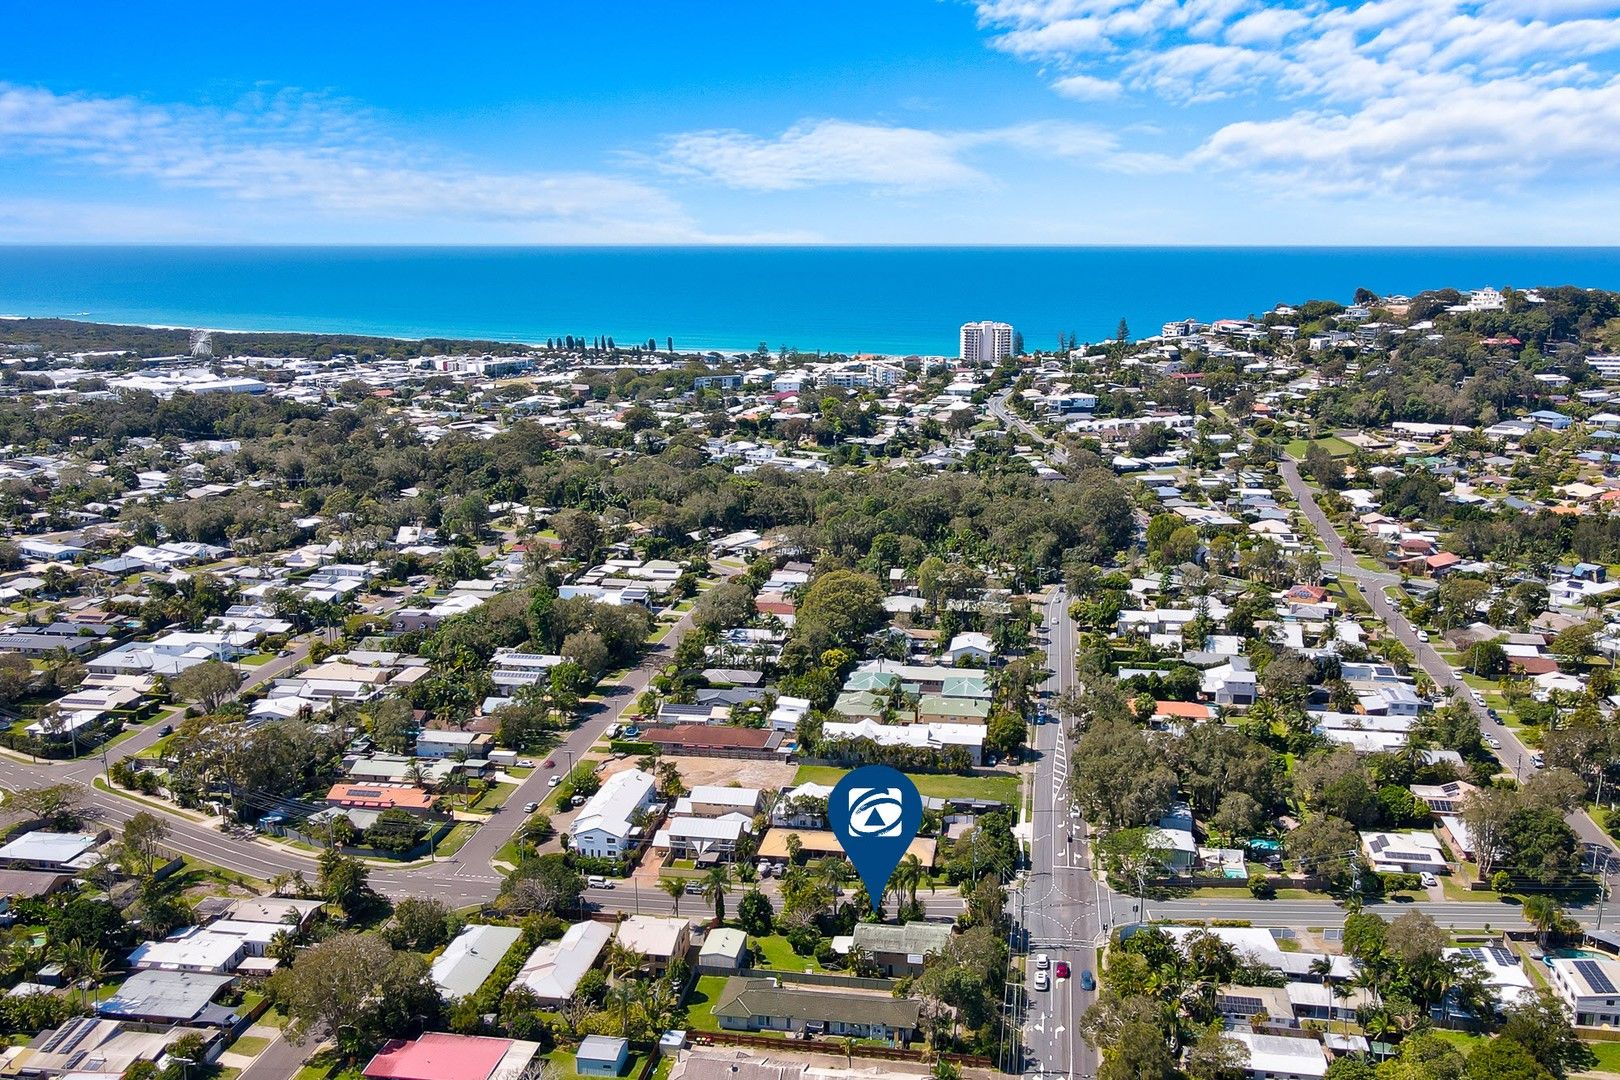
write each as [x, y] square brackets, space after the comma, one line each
[886, 121]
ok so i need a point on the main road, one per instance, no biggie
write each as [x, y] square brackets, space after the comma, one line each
[1057, 904]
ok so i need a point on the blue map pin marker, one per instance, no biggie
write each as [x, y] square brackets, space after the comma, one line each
[875, 812]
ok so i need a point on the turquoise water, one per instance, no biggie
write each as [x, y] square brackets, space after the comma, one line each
[893, 300]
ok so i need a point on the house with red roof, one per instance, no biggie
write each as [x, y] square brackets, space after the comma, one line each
[441, 1056]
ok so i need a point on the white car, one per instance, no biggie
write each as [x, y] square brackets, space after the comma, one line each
[1041, 981]
[1493, 742]
[1042, 961]
[554, 781]
[1429, 880]
[524, 763]
[594, 882]
[1423, 635]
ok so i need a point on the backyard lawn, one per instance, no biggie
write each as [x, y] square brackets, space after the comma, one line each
[1334, 445]
[777, 953]
[1003, 789]
[700, 1003]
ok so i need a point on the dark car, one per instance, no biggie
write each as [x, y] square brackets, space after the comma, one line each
[166, 729]
[1087, 982]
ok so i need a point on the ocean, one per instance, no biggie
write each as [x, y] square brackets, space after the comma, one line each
[830, 299]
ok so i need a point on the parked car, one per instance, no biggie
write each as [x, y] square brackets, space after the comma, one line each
[694, 888]
[1429, 880]
[577, 800]
[1041, 981]
[1087, 982]
[530, 807]
[1060, 970]
[763, 869]
[524, 763]
[1493, 742]
[595, 882]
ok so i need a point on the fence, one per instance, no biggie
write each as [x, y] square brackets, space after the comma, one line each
[833, 1045]
[809, 978]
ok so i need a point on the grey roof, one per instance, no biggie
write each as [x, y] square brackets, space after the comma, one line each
[912, 938]
[742, 998]
[176, 996]
[601, 1048]
[468, 960]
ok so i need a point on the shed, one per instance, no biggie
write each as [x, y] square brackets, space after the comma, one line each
[600, 1055]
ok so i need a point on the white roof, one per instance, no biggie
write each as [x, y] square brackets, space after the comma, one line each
[468, 960]
[48, 847]
[554, 969]
[657, 936]
[610, 808]
[1279, 1054]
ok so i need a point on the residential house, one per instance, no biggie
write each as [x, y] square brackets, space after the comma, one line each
[660, 939]
[900, 949]
[604, 827]
[768, 1004]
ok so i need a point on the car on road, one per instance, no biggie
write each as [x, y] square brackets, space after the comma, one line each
[1042, 962]
[166, 729]
[1423, 635]
[1493, 742]
[1041, 981]
[594, 882]
[551, 763]
[530, 807]
[694, 888]
[553, 781]
[1087, 982]
[1060, 970]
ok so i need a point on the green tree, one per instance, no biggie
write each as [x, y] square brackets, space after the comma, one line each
[141, 849]
[209, 684]
[755, 913]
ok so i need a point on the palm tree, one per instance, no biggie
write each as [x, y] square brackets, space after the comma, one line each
[714, 890]
[282, 946]
[794, 846]
[1545, 915]
[93, 968]
[910, 874]
[1323, 968]
[676, 888]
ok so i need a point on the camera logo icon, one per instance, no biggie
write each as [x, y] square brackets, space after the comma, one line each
[875, 811]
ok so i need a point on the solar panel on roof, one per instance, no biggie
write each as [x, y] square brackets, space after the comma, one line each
[1594, 975]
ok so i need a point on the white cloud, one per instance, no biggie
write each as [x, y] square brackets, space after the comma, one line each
[1087, 88]
[903, 159]
[1266, 25]
[311, 156]
[1485, 95]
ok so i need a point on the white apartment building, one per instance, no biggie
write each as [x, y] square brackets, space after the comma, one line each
[986, 342]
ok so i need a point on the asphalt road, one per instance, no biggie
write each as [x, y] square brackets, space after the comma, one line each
[1012, 421]
[1513, 755]
[1057, 904]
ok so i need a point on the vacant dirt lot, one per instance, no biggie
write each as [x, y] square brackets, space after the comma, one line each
[766, 775]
